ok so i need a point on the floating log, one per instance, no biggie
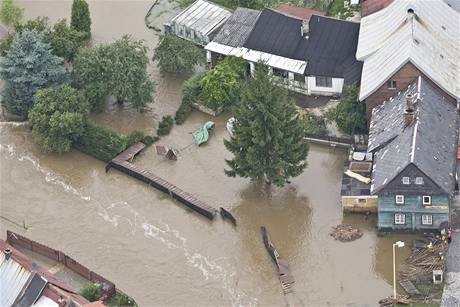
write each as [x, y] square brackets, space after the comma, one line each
[227, 216]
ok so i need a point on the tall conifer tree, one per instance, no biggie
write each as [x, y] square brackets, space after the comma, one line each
[268, 135]
[80, 18]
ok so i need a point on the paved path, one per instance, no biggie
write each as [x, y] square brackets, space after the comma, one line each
[451, 294]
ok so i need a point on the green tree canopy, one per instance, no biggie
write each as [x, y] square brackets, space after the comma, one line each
[58, 118]
[350, 114]
[176, 55]
[10, 13]
[118, 69]
[80, 17]
[28, 66]
[65, 40]
[221, 86]
[268, 136]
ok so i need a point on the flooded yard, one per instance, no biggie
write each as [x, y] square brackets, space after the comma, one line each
[154, 248]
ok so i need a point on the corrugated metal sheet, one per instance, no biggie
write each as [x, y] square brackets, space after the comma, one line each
[45, 301]
[202, 16]
[429, 39]
[13, 277]
[295, 66]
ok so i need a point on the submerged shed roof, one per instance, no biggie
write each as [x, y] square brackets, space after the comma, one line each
[202, 16]
[13, 278]
[423, 32]
[237, 28]
[429, 143]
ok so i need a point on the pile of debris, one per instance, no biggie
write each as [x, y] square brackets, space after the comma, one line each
[390, 301]
[424, 259]
[346, 233]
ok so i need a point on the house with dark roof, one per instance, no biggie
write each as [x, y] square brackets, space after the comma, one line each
[318, 59]
[405, 40]
[414, 138]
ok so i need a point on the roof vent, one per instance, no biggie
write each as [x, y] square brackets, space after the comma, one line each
[7, 251]
[410, 11]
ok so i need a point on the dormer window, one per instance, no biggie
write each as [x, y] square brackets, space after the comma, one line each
[405, 180]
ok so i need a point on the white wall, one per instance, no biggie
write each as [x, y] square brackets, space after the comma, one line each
[336, 89]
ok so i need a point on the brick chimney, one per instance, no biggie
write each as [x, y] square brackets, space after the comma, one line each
[409, 112]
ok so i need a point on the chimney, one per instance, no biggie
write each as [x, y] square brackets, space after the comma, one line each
[7, 251]
[409, 111]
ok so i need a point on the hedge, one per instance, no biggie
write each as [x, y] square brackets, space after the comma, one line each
[104, 144]
[190, 93]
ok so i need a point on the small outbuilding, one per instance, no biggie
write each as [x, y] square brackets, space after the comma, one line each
[199, 22]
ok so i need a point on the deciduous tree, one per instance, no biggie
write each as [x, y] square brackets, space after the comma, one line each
[10, 13]
[65, 40]
[28, 66]
[176, 55]
[118, 69]
[80, 17]
[58, 118]
[268, 136]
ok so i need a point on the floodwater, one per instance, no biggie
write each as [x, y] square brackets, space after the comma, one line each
[163, 254]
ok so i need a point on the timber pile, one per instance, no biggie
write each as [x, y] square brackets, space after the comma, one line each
[420, 264]
[346, 233]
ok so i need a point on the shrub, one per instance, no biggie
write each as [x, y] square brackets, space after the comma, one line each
[149, 140]
[92, 292]
[165, 125]
[221, 86]
[101, 143]
[312, 123]
[349, 114]
[10, 13]
[190, 94]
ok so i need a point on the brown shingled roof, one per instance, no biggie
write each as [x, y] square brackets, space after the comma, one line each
[299, 12]
[371, 6]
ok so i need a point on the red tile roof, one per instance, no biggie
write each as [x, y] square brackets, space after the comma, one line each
[299, 12]
[371, 6]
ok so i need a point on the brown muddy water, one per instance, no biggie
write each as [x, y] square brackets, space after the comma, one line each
[163, 254]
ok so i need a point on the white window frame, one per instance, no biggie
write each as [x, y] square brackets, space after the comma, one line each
[426, 202]
[400, 219]
[399, 199]
[419, 180]
[406, 180]
[427, 219]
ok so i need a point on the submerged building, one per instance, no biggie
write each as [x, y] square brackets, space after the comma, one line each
[413, 138]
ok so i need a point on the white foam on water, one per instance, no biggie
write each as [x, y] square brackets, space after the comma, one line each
[163, 233]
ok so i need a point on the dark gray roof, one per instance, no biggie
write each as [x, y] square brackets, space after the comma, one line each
[278, 34]
[429, 143]
[237, 28]
[329, 49]
[352, 186]
[332, 45]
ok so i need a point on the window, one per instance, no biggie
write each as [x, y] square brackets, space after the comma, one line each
[400, 219]
[399, 199]
[299, 78]
[280, 73]
[362, 200]
[426, 200]
[323, 82]
[427, 219]
[405, 180]
[419, 180]
[391, 84]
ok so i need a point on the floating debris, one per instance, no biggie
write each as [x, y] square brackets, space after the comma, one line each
[227, 216]
[390, 301]
[346, 233]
